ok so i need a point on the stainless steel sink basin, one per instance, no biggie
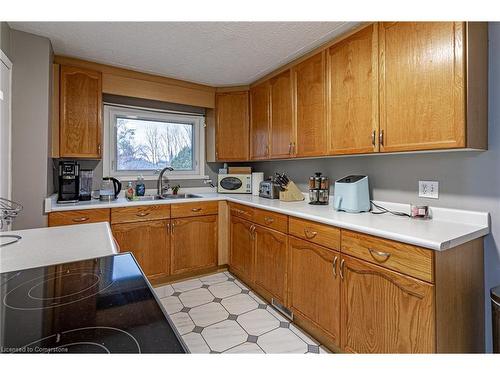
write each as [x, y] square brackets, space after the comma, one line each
[179, 196]
[165, 196]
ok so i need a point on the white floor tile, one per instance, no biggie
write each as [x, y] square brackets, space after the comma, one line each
[323, 350]
[208, 314]
[239, 304]
[214, 279]
[172, 304]
[164, 291]
[281, 340]
[196, 297]
[224, 335]
[225, 289]
[245, 348]
[195, 343]
[257, 298]
[302, 335]
[182, 322]
[184, 286]
[276, 314]
[258, 322]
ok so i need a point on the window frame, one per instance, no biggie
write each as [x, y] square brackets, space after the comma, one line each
[111, 111]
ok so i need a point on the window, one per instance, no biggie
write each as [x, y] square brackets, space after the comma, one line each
[142, 142]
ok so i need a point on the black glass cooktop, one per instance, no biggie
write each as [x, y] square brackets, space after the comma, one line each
[102, 305]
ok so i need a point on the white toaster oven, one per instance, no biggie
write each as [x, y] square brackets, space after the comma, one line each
[234, 183]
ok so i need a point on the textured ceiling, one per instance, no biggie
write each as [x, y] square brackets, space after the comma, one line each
[214, 53]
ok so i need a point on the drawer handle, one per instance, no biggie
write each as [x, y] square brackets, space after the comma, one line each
[309, 233]
[196, 209]
[80, 219]
[268, 220]
[380, 254]
[335, 266]
[142, 214]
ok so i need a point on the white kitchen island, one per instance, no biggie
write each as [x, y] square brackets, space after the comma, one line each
[47, 246]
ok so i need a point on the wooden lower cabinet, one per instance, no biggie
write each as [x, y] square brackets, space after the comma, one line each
[384, 311]
[149, 242]
[314, 288]
[194, 243]
[241, 257]
[271, 249]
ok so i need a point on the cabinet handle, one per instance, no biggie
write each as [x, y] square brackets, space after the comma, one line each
[173, 226]
[310, 234]
[381, 138]
[168, 228]
[290, 148]
[268, 220]
[80, 219]
[99, 149]
[335, 266]
[381, 254]
[142, 213]
[252, 231]
[294, 151]
[374, 137]
[342, 269]
[197, 209]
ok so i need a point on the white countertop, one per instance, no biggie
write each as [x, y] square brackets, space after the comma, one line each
[47, 246]
[448, 227]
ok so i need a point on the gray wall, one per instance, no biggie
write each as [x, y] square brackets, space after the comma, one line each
[5, 39]
[31, 81]
[467, 180]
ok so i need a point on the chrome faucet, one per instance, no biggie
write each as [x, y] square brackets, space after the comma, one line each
[159, 184]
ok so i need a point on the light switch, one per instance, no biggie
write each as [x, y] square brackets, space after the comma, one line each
[428, 189]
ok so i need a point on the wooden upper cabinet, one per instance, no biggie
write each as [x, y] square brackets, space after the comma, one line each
[309, 79]
[282, 137]
[259, 121]
[353, 94]
[384, 311]
[194, 243]
[232, 125]
[422, 85]
[80, 120]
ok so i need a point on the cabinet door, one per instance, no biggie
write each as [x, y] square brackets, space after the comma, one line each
[310, 97]
[384, 311]
[80, 113]
[149, 242]
[271, 249]
[422, 86]
[194, 243]
[353, 100]
[314, 286]
[259, 121]
[282, 138]
[232, 126]
[241, 259]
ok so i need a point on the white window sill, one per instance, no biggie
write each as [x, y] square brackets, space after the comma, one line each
[165, 176]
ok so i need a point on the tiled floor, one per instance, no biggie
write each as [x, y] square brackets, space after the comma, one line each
[219, 314]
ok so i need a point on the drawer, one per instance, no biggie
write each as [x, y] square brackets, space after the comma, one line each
[271, 220]
[242, 211]
[321, 234]
[407, 259]
[78, 217]
[140, 213]
[195, 209]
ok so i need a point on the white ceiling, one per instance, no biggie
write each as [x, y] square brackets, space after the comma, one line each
[213, 53]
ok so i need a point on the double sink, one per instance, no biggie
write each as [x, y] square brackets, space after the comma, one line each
[166, 196]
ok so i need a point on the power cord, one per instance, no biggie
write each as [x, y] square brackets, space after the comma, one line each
[384, 210]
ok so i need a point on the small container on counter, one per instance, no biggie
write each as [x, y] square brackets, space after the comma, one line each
[140, 188]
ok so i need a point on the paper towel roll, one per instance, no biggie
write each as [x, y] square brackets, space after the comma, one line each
[257, 177]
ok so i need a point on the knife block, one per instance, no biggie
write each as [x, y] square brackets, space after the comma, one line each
[291, 193]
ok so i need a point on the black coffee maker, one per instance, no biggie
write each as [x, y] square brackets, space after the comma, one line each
[69, 182]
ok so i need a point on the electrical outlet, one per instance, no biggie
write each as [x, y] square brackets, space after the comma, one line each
[428, 189]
